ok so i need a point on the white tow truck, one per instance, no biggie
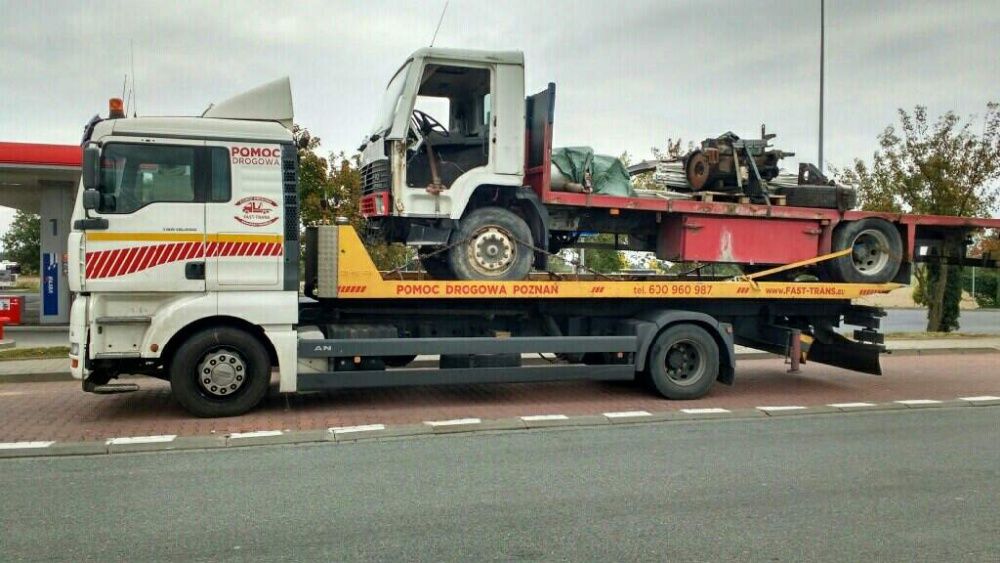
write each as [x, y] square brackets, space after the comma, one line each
[185, 266]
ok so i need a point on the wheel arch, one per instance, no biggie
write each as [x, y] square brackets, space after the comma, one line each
[182, 335]
[662, 320]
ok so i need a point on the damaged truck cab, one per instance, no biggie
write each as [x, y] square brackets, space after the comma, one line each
[460, 164]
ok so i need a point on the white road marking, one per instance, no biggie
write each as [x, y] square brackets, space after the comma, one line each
[979, 398]
[626, 414]
[24, 445]
[361, 428]
[142, 440]
[850, 405]
[256, 434]
[11, 393]
[712, 410]
[453, 422]
[918, 402]
[537, 417]
[781, 408]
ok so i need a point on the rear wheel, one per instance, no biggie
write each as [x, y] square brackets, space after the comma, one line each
[683, 362]
[876, 252]
[220, 372]
[492, 246]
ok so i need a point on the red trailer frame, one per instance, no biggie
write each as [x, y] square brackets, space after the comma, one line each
[743, 233]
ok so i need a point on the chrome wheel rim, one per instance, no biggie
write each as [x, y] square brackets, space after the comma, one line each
[493, 250]
[222, 372]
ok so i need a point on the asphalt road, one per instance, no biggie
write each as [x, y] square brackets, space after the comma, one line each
[898, 485]
[980, 321]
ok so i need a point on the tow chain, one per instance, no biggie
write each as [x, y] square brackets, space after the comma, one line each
[574, 263]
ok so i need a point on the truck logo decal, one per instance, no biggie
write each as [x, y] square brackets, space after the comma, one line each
[255, 156]
[123, 261]
[256, 211]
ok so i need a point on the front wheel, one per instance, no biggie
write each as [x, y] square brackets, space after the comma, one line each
[220, 372]
[683, 362]
[493, 245]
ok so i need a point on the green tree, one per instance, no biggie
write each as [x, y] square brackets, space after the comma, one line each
[604, 260]
[345, 197]
[331, 188]
[22, 242]
[942, 168]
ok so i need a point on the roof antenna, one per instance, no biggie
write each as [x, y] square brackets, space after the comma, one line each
[131, 55]
[438, 28]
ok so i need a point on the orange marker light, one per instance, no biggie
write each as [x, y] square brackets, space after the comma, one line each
[116, 108]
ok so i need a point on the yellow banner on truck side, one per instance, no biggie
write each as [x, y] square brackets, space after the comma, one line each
[358, 278]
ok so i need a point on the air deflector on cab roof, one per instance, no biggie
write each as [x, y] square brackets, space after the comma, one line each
[267, 102]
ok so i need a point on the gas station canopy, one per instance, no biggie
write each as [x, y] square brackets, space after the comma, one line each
[42, 179]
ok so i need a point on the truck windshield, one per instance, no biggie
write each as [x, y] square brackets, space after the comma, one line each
[387, 109]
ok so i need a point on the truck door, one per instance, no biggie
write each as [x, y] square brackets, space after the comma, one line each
[153, 198]
[243, 217]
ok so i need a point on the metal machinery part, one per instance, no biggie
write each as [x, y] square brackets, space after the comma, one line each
[718, 164]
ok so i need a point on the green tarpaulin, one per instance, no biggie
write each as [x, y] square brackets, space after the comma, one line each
[607, 174]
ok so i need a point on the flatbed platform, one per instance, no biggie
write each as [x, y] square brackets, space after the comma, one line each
[349, 273]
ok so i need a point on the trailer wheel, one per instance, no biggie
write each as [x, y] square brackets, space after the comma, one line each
[492, 246]
[436, 265]
[220, 372]
[877, 252]
[683, 362]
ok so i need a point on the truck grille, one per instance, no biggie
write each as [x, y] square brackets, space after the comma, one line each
[375, 177]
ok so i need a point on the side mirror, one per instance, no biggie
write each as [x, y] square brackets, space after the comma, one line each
[91, 168]
[91, 199]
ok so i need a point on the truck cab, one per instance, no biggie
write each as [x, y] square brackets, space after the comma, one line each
[186, 226]
[449, 138]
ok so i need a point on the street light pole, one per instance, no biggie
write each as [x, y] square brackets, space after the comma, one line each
[822, 41]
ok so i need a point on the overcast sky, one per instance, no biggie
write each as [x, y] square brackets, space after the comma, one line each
[629, 74]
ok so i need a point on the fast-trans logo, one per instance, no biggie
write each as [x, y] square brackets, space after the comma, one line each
[256, 211]
[256, 156]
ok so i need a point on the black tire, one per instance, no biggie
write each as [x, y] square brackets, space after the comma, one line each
[436, 265]
[398, 361]
[877, 255]
[491, 246]
[235, 383]
[683, 362]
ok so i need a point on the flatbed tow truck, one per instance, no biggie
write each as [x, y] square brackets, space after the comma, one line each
[184, 263]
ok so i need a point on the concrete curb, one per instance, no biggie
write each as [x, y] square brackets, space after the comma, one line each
[380, 432]
[48, 377]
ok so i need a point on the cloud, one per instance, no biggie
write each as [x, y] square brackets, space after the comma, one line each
[628, 75]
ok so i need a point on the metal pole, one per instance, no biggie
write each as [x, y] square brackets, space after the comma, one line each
[822, 46]
[973, 282]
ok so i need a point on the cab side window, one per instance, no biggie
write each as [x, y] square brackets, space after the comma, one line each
[134, 176]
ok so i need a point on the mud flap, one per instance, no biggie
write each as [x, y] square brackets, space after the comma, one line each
[835, 350]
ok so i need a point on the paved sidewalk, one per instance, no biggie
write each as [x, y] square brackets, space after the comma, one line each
[60, 411]
[17, 371]
[20, 371]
